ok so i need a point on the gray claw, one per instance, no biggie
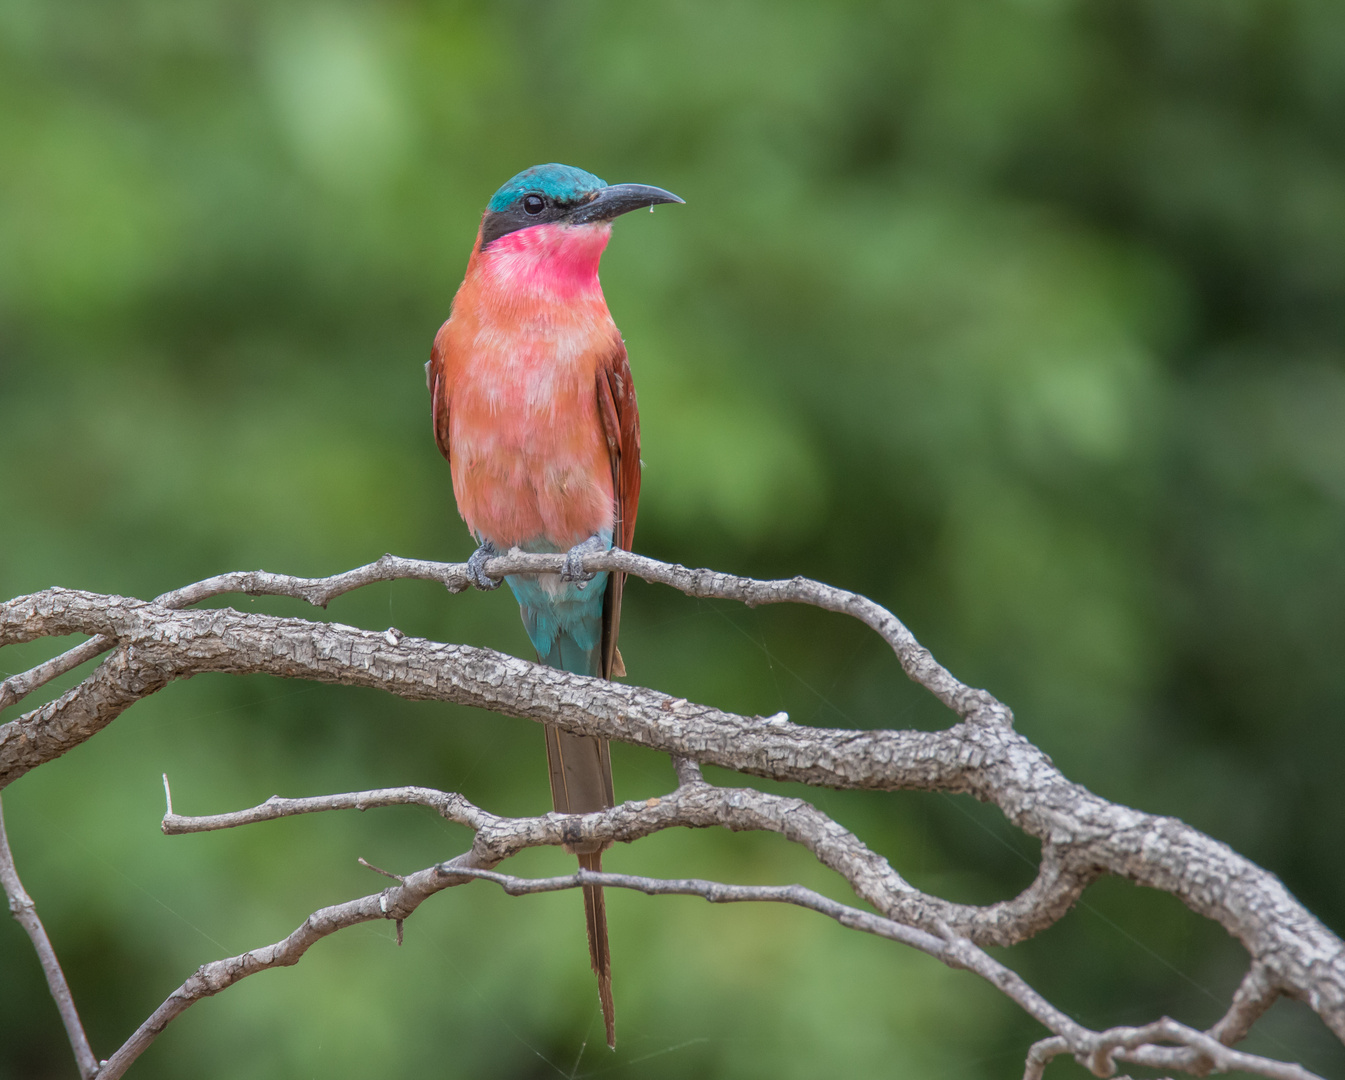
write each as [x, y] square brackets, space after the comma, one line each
[476, 566]
[572, 569]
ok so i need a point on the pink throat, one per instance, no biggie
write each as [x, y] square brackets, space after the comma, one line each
[559, 260]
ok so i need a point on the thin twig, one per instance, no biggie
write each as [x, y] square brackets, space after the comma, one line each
[23, 909]
[451, 806]
[1255, 994]
[316, 591]
[379, 870]
[19, 686]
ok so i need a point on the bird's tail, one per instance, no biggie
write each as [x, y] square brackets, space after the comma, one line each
[574, 635]
[595, 910]
[581, 782]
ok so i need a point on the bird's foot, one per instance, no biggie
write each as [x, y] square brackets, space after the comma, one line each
[476, 566]
[573, 567]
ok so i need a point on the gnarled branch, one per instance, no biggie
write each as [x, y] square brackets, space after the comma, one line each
[1082, 835]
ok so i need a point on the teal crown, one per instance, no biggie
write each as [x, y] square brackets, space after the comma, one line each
[562, 184]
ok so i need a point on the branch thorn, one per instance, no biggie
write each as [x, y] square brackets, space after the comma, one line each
[379, 870]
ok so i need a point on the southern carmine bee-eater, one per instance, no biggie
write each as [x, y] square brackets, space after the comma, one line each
[534, 409]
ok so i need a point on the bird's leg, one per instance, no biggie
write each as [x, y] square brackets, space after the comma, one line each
[573, 569]
[476, 566]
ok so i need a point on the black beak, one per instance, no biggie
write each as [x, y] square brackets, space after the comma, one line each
[619, 199]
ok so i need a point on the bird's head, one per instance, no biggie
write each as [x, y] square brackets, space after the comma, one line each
[562, 195]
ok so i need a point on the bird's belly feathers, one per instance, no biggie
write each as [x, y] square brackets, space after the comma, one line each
[529, 457]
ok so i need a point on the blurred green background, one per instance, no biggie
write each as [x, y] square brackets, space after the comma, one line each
[1025, 318]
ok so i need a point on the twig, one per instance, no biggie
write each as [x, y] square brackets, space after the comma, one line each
[17, 687]
[379, 870]
[316, 591]
[450, 806]
[1255, 994]
[23, 909]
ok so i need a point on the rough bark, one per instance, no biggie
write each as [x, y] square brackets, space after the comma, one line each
[1082, 836]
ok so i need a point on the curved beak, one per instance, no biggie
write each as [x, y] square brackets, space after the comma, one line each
[619, 199]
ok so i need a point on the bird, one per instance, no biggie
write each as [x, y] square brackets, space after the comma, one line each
[534, 408]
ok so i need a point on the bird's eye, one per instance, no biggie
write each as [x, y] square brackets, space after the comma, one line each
[533, 204]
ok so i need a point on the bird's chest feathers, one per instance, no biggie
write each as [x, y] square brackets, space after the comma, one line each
[528, 452]
[536, 322]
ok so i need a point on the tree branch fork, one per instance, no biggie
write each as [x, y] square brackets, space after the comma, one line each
[153, 643]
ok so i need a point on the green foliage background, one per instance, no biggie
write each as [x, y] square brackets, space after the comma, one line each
[1024, 317]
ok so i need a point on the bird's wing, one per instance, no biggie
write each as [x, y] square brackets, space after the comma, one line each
[621, 426]
[436, 381]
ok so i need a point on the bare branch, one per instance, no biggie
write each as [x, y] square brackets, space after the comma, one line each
[23, 909]
[698, 805]
[1082, 835]
[915, 659]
